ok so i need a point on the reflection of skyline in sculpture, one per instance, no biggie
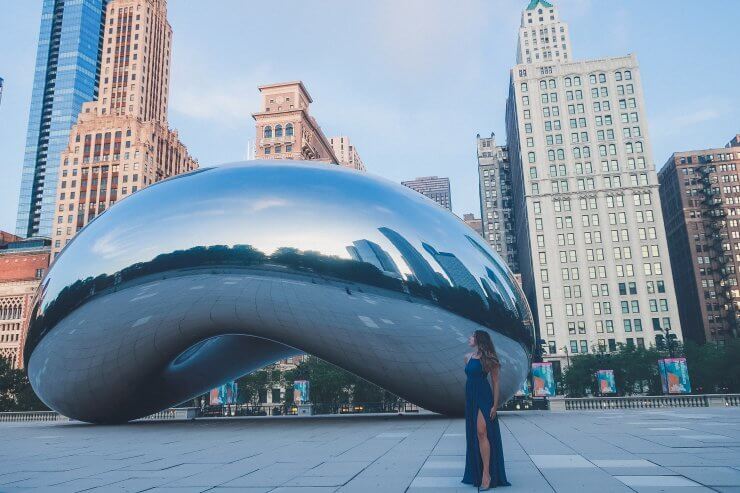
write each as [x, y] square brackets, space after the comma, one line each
[372, 253]
[416, 263]
[456, 271]
[183, 305]
[507, 294]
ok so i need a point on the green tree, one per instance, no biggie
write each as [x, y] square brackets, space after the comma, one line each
[329, 384]
[333, 385]
[16, 393]
[635, 370]
[713, 368]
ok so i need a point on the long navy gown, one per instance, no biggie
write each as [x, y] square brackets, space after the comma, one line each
[478, 396]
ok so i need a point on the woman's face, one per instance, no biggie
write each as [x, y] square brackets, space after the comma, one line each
[471, 340]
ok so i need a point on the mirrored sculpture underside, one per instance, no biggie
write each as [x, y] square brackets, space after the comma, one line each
[208, 276]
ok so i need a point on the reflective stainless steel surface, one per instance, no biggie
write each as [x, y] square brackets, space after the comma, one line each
[208, 276]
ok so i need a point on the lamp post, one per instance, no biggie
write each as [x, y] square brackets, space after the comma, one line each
[567, 356]
[669, 343]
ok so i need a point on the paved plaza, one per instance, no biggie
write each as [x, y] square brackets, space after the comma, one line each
[675, 450]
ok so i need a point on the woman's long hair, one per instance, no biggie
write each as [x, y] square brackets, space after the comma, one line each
[487, 351]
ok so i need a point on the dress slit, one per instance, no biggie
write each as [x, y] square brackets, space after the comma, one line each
[478, 396]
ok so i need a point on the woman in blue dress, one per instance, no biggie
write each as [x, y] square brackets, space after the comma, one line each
[484, 457]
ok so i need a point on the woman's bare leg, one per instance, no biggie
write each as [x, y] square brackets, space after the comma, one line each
[485, 450]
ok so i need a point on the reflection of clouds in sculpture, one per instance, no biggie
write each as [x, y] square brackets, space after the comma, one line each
[200, 279]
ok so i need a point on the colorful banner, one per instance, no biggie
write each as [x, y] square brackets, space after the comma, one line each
[301, 391]
[674, 375]
[605, 379]
[543, 381]
[224, 395]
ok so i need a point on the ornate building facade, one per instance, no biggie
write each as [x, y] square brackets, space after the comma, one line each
[285, 129]
[121, 142]
[22, 265]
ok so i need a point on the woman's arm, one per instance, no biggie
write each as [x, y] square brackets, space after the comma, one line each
[494, 388]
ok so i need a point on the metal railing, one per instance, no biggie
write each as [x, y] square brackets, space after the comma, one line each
[557, 403]
[644, 402]
[183, 413]
[164, 414]
[732, 400]
[27, 416]
[19, 417]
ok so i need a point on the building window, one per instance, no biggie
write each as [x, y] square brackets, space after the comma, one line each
[267, 133]
[278, 130]
[289, 130]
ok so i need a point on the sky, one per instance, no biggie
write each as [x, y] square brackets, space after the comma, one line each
[411, 82]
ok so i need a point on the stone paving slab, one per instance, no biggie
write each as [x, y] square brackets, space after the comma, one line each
[675, 450]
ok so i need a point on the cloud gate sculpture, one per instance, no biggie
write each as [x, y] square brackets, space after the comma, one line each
[208, 276]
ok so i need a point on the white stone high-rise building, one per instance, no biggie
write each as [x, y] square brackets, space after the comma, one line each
[542, 36]
[592, 246]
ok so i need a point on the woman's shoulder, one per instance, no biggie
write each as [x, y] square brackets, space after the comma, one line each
[468, 356]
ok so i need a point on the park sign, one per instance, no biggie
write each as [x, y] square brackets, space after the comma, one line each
[674, 375]
[301, 392]
[224, 395]
[543, 382]
[605, 381]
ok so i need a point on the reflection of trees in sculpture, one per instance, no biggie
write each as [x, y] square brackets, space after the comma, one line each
[16, 393]
[333, 385]
[458, 299]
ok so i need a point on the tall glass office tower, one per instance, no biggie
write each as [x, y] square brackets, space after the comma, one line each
[67, 71]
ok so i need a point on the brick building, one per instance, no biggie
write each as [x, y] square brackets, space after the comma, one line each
[700, 195]
[22, 265]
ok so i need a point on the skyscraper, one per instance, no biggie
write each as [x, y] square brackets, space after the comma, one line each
[67, 70]
[592, 245]
[458, 274]
[437, 189]
[121, 142]
[699, 194]
[372, 253]
[542, 36]
[494, 178]
[285, 129]
[421, 271]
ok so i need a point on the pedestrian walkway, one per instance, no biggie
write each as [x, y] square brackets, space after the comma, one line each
[676, 450]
